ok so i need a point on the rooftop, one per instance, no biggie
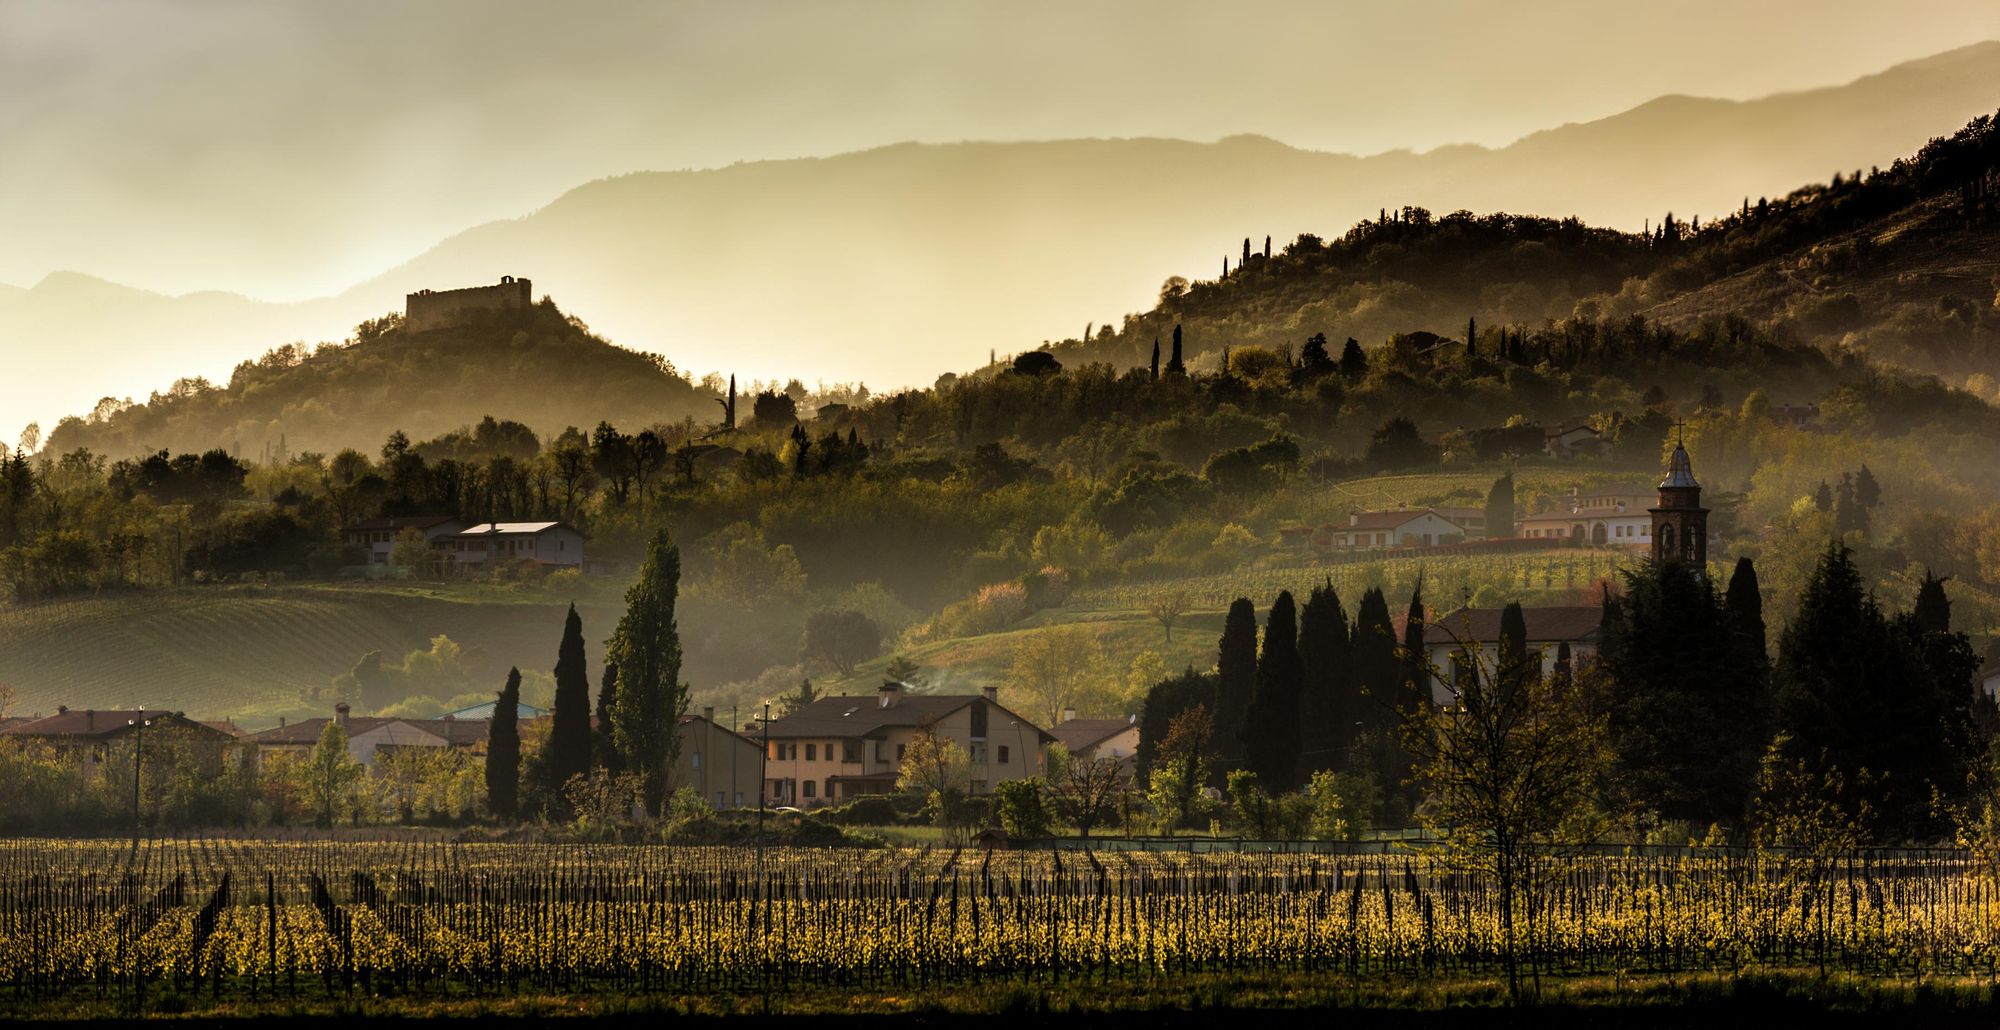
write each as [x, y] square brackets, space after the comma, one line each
[859, 715]
[1077, 734]
[509, 529]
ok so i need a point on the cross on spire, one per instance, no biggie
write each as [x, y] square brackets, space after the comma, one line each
[1680, 432]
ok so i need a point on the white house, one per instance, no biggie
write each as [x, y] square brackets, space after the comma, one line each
[1460, 634]
[1091, 739]
[1421, 527]
[1568, 441]
[368, 736]
[551, 543]
[378, 536]
[1614, 516]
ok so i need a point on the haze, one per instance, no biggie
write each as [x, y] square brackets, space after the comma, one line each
[288, 150]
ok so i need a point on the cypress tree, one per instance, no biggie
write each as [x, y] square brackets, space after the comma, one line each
[1514, 666]
[1246, 253]
[1271, 726]
[1500, 508]
[607, 699]
[1867, 492]
[1267, 246]
[1414, 691]
[503, 750]
[1327, 708]
[1933, 610]
[567, 751]
[1236, 679]
[647, 651]
[1378, 678]
[1471, 338]
[1153, 375]
[1174, 364]
[1743, 606]
[1353, 363]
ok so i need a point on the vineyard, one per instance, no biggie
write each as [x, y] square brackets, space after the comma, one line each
[1448, 579]
[261, 919]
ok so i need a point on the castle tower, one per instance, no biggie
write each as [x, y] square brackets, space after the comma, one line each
[1680, 523]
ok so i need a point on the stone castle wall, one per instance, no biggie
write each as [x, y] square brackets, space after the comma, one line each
[439, 309]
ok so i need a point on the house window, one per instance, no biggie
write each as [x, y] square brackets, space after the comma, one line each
[1003, 754]
[777, 751]
[978, 754]
[695, 760]
[829, 788]
[812, 752]
[791, 752]
[850, 751]
[739, 799]
[879, 750]
[721, 798]
[812, 789]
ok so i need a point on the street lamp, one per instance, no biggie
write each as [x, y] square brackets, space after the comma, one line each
[138, 749]
[763, 781]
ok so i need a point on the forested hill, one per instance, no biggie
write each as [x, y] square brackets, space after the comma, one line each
[1899, 262]
[541, 367]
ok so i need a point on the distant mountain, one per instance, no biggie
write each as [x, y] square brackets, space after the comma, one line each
[890, 264]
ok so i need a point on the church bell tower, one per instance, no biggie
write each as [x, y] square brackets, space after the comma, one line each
[1680, 523]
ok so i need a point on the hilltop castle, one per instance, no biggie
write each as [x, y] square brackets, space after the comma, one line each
[441, 309]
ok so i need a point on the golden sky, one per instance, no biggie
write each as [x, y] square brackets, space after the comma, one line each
[289, 149]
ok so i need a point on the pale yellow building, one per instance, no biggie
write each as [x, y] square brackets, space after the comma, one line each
[723, 766]
[846, 746]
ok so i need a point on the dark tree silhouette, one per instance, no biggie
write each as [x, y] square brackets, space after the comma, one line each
[1327, 708]
[566, 753]
[1174, 364]
[503, 750]
[1353, 361]
[1271, 724]
[1500, 508]
[1236, 674]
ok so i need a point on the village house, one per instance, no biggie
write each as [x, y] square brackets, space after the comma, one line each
[378, 536]
[723, 766]
[1614, 516]
[843, 747]
[550, 543]
[1416, 527]
[370, 736]
[1451, 639]
[95, 737]
[1573, 440]
[1088, 740]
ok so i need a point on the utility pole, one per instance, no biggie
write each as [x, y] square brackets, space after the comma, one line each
[734, 727]
[763, 772]
[138, 750]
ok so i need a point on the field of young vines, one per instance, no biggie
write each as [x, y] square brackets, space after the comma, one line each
[278, 920]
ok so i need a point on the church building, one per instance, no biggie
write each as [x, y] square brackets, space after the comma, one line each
[1680, 523]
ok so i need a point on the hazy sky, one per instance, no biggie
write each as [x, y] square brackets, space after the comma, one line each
[290, 149]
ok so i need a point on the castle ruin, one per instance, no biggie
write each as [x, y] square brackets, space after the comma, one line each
[441, 309]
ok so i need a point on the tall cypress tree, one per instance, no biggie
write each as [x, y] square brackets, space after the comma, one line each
[1414, 691]
[1271, 726]
[1500, 508]
[1236, 675]
[1513, 665]
[1471, 338]
[647, 651]
[503, 750]
[567, 751]
[1153, 370]
[1174, 364]
[1327, 705]
[606, 752]
[1743, 608]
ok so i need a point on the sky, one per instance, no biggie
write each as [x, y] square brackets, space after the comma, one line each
[287, 150]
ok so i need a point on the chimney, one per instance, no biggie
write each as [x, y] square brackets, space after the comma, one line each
[889, 693]
[992, 694]
[1068, 714]
[281, 722]
[340, 714]
[708, 713]
[62, 709]
[90, 718]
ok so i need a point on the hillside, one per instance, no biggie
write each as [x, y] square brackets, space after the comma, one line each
[258, 653]
[540, 367]
[891, 264]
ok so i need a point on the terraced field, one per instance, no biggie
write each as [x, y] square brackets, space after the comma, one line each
[253, 653]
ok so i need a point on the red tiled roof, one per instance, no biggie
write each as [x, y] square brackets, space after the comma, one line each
[100, 725]
[1078, 734]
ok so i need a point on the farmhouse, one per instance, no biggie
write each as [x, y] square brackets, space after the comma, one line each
[1088, 740]
[378, 536]
[846, 746]
[550, 543]
[1569, 441]
[1419, 527]
[1473, 634]
[721, 765]
[100, 737]
[370, 736]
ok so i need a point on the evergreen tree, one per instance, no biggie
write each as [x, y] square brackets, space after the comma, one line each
[1314, 357]
[567, 751]
[1823, 497]
[1856, 688]
[647, 651]
[1686, 721]
[1236, 679]
[1379, 678]
[1743, 609]
[503, 750]
[1414, 691]
[1246, 253]
[1471, 338]
[1867, 492]
[1353, 363]
[1153, 373]
[1933, 609]
[1271, 726]
[1267, 247]
[605, 750]
[1174, 364]
[1165, 701]
[1500, 508]
[1848, 514]
[1513, 665]
[1327, 708]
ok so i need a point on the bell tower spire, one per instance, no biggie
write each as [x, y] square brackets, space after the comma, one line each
[1680, 523]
